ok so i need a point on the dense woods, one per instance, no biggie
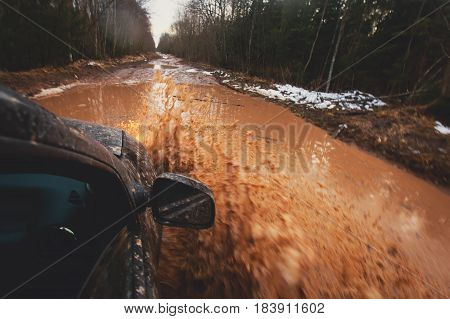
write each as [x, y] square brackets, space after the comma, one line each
[94, 28]
[314, 43]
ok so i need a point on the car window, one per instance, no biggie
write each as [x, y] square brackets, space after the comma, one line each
[31, 202]
[45, 216]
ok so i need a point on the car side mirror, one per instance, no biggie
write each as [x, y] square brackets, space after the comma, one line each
[181, 201]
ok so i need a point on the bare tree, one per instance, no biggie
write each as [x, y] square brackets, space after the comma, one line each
[343, 19]
[316, 37]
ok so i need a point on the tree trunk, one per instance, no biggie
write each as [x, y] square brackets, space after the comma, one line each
[315, 39]
[114, 29]
[324, 66]
[439, 108]
[336, 49]
[250, 40]
[408, 50]
[445, 92]
[106, 32]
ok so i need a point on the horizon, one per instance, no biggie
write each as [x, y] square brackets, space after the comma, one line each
[162, 16]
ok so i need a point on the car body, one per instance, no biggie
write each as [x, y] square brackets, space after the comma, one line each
[77, 207]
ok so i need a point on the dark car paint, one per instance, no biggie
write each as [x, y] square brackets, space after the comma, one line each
[29, 131]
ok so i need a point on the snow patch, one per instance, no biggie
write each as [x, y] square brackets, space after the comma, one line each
[441, 128]
[191, 71]
[93, 63]
[131, 82]
[353, 100]
[55, 91]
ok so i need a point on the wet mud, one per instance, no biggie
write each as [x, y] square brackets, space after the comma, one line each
[299, 213]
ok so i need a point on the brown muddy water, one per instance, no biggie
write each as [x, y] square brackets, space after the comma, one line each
[299, 214]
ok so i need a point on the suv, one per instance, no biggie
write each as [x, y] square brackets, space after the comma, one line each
[81, 207]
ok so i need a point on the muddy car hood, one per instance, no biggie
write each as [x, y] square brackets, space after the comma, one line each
[24, 120]
[111, 138]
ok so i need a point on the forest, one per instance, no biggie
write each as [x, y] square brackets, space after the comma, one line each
[33, 32]
[385, 47]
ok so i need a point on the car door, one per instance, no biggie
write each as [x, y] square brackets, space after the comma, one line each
[127, 267]
[56, 219]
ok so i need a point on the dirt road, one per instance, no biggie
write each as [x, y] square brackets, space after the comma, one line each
[299, 214]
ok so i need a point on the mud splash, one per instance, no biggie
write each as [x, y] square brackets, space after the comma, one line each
[298, 214]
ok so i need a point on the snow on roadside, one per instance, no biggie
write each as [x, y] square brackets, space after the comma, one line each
[94, 63]
[55, 90]
[441, 128]
[196, 71]
[351, 100]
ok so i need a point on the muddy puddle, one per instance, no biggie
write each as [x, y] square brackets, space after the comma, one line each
[299, 214]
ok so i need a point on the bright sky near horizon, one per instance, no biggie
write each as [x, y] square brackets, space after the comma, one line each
[163, 14]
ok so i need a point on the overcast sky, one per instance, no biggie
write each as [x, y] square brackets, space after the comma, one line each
[163, 14]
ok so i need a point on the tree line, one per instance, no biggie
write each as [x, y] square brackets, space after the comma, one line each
[314, 43]
[94, 28]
